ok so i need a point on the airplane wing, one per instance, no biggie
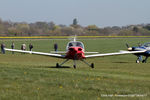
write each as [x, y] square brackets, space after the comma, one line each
[38, 53]
[115, 53]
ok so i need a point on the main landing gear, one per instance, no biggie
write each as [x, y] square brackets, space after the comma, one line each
[74, 64]
[92, 65]
[58, 66]
[144, 61]
[140, 59]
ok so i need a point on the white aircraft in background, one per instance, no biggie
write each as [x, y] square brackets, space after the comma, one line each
[75, 51]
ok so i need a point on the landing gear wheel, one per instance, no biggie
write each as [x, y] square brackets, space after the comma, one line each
[137, 61]
[92, 65]
[57, 65]
[143, 61]
[74, 66]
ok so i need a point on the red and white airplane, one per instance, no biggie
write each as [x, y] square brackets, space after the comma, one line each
[75, 51]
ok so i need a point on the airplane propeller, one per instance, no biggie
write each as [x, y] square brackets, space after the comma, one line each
[127, 45]
[129, 48]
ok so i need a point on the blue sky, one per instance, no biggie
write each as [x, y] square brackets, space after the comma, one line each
[88, 12]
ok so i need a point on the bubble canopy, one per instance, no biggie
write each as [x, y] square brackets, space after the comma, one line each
[75, 44]
[146, 44]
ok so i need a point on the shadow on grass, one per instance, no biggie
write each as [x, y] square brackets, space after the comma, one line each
[121, 62]
[59, 67]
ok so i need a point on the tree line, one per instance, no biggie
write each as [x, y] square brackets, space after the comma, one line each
[9, 28]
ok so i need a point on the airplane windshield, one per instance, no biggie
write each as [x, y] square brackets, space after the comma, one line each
[75, 44]
[146, 44]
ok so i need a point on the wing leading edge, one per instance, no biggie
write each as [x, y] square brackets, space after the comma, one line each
[115, 53]
[38, 53]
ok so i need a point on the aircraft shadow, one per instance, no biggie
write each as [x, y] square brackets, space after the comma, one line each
[120, 62]
[59, 67]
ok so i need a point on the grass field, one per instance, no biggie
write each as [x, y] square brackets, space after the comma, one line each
[33, 77]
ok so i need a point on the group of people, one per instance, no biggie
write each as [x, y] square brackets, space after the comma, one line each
[23, 47]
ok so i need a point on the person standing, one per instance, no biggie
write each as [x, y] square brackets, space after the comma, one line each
[23, 47]
[3, 48]
[55, 47]
[12, 47]
[30, 47]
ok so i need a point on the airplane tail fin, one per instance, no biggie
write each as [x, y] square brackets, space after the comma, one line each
[74, 38]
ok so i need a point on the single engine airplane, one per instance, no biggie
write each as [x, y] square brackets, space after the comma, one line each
[145, 47]
[75, 51]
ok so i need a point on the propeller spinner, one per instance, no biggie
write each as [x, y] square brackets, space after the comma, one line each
[129, 48]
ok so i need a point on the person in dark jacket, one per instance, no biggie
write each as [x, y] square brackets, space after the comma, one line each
[12, 47]
[30, 47]
[2, 48]
[55, 47]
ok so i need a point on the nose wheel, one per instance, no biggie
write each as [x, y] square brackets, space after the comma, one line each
[74, 66]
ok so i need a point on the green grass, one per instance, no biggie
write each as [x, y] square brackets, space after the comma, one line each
[32, 77]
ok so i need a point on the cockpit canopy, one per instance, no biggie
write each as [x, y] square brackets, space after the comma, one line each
[75, 44]
[146, 44]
